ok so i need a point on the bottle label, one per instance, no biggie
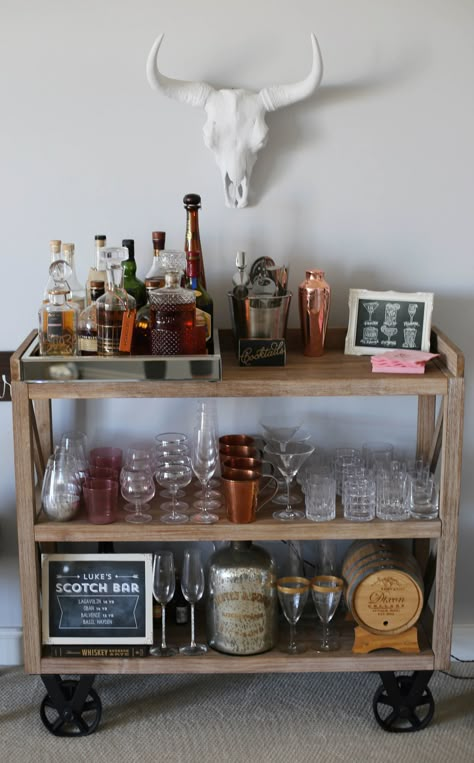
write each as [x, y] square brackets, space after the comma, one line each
[205, 318]
[181, 615]
[87, 344]
[126, 335]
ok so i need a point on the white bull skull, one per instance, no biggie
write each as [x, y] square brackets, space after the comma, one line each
[235, 129]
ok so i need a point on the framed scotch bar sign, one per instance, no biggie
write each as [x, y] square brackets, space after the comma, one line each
[97, 599]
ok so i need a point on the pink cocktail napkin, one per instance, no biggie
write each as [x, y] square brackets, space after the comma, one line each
[401, 361]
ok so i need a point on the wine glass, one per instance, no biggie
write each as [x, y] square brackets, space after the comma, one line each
[163, 591]
[192, 586]
[74, 443]
[288, 462]
[293, 595]
[326, 591]
[138, 488]
[205, 456]
[139, 456]
[173, 475]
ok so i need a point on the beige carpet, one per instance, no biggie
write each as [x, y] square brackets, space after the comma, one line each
[289, 718]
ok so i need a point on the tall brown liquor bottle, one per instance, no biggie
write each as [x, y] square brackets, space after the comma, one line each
[204, 303]
[192, 240]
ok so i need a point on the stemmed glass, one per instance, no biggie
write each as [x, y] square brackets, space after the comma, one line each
[173, 475]
[192, 586]
[138, 488]
[163, 591]
[169, 446]
[293, 594]
[205, 457]
[281, 429]
[288, 462]
[281, 498]
[326, 591]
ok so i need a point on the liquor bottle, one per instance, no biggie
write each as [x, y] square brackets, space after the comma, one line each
[87, 324]
[116, 309]
[192, 240]
[57, 321]
[55, 254]
[173, 311]
[132, 284]
[78, 292]
[97, 270]
[156, 270]
[141, 334]
[204, 301]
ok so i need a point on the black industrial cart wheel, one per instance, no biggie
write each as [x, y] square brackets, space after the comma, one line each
[404, 703]
[70, 708]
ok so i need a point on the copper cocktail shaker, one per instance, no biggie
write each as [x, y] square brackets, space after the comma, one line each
[314, 300]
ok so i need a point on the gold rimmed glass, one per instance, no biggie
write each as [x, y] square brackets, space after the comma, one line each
[293, 594]
[326, 591]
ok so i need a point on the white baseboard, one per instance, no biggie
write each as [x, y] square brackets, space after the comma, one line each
[463, 642]
[11, 646]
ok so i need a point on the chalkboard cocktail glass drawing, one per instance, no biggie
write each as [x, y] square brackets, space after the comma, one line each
[288, 462]
[163, 591]
[292, 595]
[326, 591]
[138, 488]
[174, 475]
[192, 586]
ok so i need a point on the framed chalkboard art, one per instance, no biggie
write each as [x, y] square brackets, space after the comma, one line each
[97, 599]
[388, 320]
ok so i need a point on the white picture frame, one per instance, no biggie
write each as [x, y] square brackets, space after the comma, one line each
[388, 320]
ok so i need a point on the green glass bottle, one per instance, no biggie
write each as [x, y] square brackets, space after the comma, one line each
[132, 284]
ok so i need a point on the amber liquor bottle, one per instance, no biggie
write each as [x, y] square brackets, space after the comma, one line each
[192, 240]
[204, 301]
[87, 325]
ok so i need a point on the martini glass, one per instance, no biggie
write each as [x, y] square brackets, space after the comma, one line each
[281, 498]
[280, 429]
[288, 462]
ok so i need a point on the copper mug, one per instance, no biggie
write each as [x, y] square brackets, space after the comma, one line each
[236, 439]
[238, 451]
[241, 495]
[232, 464]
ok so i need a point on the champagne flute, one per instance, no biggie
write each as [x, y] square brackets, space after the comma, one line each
[192, 586]
[326, 591]
[163, 591]
[293, 595]
[205, 456]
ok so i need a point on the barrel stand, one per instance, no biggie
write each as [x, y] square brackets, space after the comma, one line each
[404, 703]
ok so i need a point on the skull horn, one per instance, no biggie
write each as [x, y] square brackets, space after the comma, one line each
[193, 93]
[276, 96]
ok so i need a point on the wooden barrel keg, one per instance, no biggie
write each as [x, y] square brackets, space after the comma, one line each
[384, 588]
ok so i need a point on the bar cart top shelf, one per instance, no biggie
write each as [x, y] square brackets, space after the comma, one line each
[333, 374]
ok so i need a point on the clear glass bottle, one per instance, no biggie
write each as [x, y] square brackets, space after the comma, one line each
[156, 270]
[87, 324]
[97, 270]
[57, 321]
[116, 311]
[55, 254]
[172, 311]
[192, 239]
[78, 292]
[133, 285]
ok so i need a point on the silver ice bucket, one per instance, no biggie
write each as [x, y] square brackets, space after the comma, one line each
[260, 317]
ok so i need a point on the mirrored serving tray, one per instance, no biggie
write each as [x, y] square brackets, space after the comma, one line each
[37, 368]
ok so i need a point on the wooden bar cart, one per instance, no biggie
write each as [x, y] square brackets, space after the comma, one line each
[402, 703]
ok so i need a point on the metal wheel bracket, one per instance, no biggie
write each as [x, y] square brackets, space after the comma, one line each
[404, 703]
[71, 708]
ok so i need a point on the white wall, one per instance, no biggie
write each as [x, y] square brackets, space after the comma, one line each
[371, 179]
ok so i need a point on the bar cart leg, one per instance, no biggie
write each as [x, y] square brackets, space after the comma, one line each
[404, 703]
[71, 708]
